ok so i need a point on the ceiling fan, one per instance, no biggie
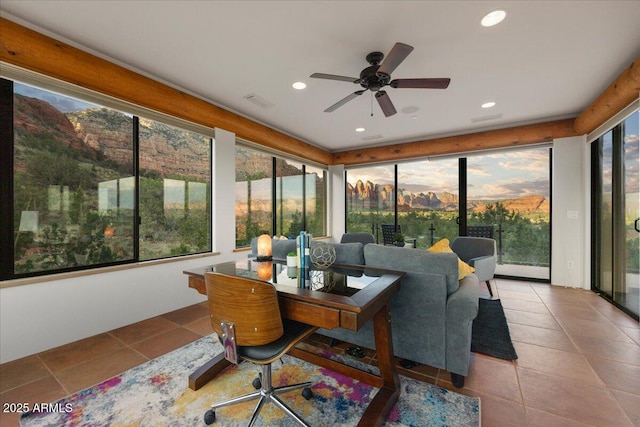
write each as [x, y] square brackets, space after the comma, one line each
[378, 75]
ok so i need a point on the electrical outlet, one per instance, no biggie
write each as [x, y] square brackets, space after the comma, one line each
[569, 264]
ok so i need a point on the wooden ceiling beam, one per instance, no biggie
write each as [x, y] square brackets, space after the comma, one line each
[25, 48]
[622, 92]
[492, 139]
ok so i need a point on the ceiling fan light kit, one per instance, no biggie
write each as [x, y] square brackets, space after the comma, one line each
[378, 75]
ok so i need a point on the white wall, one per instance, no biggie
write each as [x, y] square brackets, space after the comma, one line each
[41, 316]
[336, 203]
[570, 217]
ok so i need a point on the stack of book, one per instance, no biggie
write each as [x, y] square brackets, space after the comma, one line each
[303, 243]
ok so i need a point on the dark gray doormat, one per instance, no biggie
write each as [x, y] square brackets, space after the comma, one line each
[490, 332]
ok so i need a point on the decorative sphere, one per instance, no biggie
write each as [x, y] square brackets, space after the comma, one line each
[322, 255]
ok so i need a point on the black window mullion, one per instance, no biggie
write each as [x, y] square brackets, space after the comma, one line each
[6, 181]
[304, 197]
[136, 173]
[462, 196]
[274, 201]
[395, 197]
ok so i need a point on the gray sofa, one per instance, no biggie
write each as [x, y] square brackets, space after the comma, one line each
[432, 313]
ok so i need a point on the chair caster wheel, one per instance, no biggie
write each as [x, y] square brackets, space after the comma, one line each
[307, 393]
[257, 384]
[209, 417]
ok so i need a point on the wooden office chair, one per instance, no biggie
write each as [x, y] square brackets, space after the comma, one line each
[250, 308]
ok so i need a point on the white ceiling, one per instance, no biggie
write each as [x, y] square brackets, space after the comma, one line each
[548, 60]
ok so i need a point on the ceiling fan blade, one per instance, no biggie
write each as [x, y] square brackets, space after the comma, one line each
[436, 83]
[397, 54]
[334, 77]
[344, 101]
[385, 103]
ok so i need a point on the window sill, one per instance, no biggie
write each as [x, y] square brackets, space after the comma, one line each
[100, 270]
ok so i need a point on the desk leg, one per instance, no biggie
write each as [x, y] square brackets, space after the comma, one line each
[206, 372]
[381, 405]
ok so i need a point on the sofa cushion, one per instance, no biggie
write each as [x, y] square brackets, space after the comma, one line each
[346, 253]
[464, 269]
[414, 260]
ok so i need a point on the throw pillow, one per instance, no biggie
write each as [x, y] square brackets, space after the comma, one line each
[464, 269]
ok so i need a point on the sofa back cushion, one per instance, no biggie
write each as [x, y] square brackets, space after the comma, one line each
[414, 260]
[346, 253]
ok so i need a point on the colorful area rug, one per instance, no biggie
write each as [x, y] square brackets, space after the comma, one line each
[490, 331]
[156, 394]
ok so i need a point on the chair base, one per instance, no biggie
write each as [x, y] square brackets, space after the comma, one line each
[267, 393]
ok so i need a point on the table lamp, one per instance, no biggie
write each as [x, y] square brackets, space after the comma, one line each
[264, 248]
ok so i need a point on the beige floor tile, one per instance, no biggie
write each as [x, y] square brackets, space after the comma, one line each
[538, 320]
[21, 371]
[95, 371]
[506, 294]
[165, 342]
[592, 328]
[570, 312]
[80, 351]
[605, 348]
[497, 412]
[187, 314]
[556, 362]
[529, 306]
[503, 285]
[630, 403]
[493, 376]
[572, 399]
[632, 333]
[550, 338]
[143, 330]
[618, 376]
[201, 326]
[536, 418]
[43, 390]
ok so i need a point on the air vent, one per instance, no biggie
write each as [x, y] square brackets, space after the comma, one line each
[486, 118]
[371, 137]
[258, 100]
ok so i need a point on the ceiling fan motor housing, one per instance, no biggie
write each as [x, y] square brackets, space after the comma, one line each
[369, 78]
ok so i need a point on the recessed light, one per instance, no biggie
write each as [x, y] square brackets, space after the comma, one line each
[359, 129]
[299, 85]
[493, 18]
[488, 104]
[414, 117]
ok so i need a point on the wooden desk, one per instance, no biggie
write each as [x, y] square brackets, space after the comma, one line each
[348, 308]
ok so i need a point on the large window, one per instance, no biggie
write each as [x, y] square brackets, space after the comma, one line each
[75, 168]
[277, 196]
[509, 192]
[370, 199]
[428, 200]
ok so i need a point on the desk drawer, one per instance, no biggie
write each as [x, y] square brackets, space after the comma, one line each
[311, 314]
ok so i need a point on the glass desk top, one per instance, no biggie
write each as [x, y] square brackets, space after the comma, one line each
[337, 279]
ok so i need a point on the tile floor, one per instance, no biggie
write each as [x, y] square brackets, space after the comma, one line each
[578, 365]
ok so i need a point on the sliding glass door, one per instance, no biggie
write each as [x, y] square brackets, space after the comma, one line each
[510, 191]
[616, 214]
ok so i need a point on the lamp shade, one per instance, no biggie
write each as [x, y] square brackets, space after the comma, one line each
[264, 247]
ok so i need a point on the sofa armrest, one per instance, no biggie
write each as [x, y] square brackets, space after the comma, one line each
[485, 267]
[462, 308]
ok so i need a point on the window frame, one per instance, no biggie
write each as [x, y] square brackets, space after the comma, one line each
[11, 75]
[304, 163]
